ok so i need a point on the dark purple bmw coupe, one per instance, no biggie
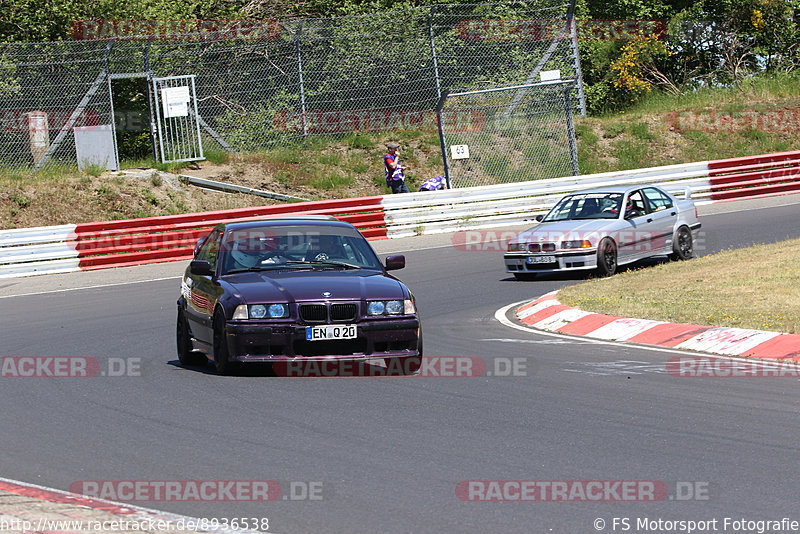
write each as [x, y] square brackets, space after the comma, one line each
[294, 289]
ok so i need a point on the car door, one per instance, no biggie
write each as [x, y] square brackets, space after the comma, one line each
[203, 291]
[664, 215]
[636, 238]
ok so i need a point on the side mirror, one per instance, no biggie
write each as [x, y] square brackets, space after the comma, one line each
[200, 267]
[539, 218]
[395, 262]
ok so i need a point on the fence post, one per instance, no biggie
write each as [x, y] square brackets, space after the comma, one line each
[150, 76]
[300, 71]
[573, 148]
[573, 43]
[442, 140]
[433, 54]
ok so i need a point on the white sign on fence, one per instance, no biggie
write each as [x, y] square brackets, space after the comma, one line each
[550, 75]
[175, 101]
[459, 151]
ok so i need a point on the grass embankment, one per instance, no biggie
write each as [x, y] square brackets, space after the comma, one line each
[346, 166]
[756, 288]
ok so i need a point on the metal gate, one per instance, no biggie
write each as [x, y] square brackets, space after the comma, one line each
[177, 120]
[508, 134]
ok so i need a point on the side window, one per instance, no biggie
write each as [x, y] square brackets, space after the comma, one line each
[657, 200]
[635, 206]
[210, 249]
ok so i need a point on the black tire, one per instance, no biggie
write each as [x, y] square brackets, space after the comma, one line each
[606, 257]
[682, 245]
[221, 357]
[406, 365]
[524, 276]
[186, 353]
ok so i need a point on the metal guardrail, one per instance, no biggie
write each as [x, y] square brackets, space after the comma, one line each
[233, 188]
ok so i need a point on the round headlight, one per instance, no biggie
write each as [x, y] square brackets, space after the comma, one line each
[375, 308]
[277, 311]
[394, 307]
[258, 311]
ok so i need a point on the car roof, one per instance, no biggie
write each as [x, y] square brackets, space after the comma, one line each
[613, 189]
[302, 220]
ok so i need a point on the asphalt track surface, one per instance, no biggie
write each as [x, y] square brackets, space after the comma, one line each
[389, 452]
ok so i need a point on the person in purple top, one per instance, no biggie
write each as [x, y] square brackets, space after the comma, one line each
[395, 179]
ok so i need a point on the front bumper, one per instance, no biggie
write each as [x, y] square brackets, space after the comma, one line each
[276, 342]
[518, 262]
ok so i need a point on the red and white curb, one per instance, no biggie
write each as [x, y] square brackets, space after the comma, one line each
[547, 313]
[51, 510]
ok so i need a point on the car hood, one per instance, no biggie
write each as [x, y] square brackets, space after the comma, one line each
[270, 286]
[567, 230]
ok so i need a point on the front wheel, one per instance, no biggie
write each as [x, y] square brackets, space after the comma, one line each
[221, 357]
[682, 246]
[186, 353]
[606, 257]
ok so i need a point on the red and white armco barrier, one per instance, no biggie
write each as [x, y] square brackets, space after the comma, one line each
[66, 248]
[100, 245]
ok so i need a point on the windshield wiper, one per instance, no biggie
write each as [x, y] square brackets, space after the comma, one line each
[325, 262]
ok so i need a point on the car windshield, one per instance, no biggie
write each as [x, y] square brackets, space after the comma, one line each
[586, 206]
[296, 247]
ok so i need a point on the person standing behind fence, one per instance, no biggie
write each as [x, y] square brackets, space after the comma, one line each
[395, 179]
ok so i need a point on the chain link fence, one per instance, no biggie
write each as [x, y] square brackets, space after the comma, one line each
[511, 134]
[258, 90]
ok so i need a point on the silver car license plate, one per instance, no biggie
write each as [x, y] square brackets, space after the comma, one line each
[329, 331]
[540, 259]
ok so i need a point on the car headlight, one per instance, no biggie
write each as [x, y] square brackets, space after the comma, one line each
[394, 307]
[376, 308]
[258, 311]
[512, 247]
[576, 244]
[391, 307]
[278, 311]
[261, 311]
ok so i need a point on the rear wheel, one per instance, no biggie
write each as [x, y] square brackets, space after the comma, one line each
[221, 357]
[682, 246]
[186, 354]
[606, 257]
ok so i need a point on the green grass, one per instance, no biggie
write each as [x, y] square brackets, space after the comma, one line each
[217, 156]
[640, 130]
[331, 182]
[613, 129]
[359, 140]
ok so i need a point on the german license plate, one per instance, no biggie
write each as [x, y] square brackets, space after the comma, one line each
[540, 259]
[330, 331]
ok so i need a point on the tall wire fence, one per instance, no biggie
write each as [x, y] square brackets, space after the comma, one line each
[327, 76]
